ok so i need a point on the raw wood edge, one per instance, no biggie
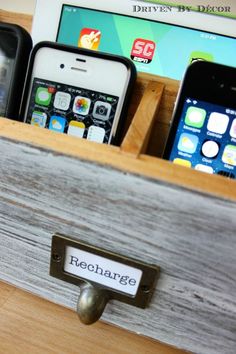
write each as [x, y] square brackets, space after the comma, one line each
[20, 19]
[136, 139]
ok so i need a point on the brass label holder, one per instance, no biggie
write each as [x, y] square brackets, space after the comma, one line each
[101, 275]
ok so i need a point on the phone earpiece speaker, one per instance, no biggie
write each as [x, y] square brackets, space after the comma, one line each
[78, 69]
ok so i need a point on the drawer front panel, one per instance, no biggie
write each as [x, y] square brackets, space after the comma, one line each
[190, 235]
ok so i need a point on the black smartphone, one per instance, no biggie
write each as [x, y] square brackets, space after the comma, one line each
[15, 47]
[203, 130]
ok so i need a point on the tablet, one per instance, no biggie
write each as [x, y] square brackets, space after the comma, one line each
[160, 39]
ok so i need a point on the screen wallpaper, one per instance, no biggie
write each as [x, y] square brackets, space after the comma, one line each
[156, 48]
[206, 138]
[72, 110]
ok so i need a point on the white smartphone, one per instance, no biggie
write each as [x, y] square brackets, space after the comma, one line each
[78, 92]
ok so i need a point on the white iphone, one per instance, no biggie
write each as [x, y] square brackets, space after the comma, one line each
[78, 92]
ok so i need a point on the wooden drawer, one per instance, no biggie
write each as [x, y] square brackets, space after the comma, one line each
[131, 203]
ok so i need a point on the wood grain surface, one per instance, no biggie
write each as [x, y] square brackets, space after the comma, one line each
[191, 236]
[136, 139]
[31, 325]
[17, 18]
[145, 165]
[149, 209]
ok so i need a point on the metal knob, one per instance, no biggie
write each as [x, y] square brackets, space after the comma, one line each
[91, 303]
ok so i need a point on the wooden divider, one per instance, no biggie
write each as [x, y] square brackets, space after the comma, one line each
[136, 140]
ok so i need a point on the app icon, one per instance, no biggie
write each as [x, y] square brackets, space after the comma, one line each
[62, 100]
[210, 149]
[76, 128]
[195, 117]
[89, 38]
[188, 143]
[43, 96]
[233, 129]
[196, 55]
[218, 123]
[51, 89]
[101, 110]
[81, 105]
[143, 50]
[57, 123]
[204, 168]
[96, 134]
[182, 162]
[39, 119]
[229, 155]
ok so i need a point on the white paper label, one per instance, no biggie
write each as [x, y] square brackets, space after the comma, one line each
[101, 270]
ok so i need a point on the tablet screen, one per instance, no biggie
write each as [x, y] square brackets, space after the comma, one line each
[155, 47]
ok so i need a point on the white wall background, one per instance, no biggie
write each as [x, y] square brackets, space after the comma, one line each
[27, 6]
[23, 6]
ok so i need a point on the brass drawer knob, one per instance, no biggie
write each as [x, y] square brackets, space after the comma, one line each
[91, 303]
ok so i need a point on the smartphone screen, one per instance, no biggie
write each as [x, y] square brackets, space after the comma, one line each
[154, 47]
[8, 47]
[206, 138]
[75, 111]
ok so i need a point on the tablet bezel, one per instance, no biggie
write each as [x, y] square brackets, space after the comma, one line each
[47, 18]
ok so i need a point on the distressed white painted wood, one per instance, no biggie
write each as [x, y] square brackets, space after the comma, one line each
[190, 235]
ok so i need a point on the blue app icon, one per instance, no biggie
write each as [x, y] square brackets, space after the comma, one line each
[57, 123]
[188, 143]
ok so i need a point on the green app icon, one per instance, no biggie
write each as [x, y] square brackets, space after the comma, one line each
[43, 97]
[196, 55]
[195, 117]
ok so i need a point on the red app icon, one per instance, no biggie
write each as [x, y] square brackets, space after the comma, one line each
[89, 38]
[143, 50]
[51, 89]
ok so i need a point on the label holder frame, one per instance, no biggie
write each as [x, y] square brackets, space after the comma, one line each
[147, 284]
